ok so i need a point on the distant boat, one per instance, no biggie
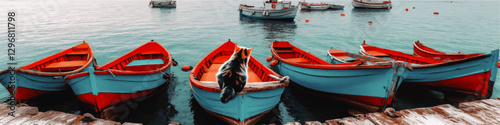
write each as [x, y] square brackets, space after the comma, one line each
[163, 4]
[272, 10]
[313, 6]
[135, 76]
[46, 75]
[261, 94]
[474, 75]
[374, 4]
[336, 6]
[368, 87]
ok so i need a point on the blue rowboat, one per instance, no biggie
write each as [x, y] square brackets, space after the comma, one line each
[133, 77]
[46, 76]
[472, 75]
[272, 10]
[260, 95]
[370, 87]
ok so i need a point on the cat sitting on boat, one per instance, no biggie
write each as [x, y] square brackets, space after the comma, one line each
[232, 75]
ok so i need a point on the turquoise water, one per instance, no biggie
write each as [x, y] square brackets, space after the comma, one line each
[196, 27]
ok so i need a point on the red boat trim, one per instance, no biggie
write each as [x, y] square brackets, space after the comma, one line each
[150, 46]
[78, 75]
[422, 50]
[48, 60]
[320, 64]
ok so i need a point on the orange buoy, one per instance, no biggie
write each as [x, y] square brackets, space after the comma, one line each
[186, 68]
[451, 1]
[406, 9]
[274, 63]
[307, 21]
[436, 13]
[370, 22]
[342, 14]
[413, 7]
[269, 58]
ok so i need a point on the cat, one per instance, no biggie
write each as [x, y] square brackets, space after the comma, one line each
[232, 75]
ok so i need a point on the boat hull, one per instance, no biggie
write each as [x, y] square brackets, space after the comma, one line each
[381, 5]
[242, 107]
[474, 76]
[272, 14]
[370, 88]
[171, 4]
[104, 90]
[313, 6]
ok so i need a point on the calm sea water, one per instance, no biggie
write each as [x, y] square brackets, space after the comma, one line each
[196, 27]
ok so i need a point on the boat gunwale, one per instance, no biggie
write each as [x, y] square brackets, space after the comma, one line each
[105, 69]
[59, 54]
[431, 51]
[429, 65]
[271, 85]
[318, 66]
[358, 56]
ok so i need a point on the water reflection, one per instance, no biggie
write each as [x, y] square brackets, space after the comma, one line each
[271, 29]
[361, 18]
[157, 109]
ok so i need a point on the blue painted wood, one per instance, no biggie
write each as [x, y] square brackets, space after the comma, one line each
[243, 106]
[145, 62]
[118, 84]
[360, 82]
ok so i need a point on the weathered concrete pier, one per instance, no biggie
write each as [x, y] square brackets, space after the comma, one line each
[472, 113]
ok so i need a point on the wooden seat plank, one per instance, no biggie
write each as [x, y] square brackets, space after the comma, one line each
[64, 66]
[376, 53]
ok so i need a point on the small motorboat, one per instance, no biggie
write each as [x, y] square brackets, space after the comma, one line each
[46, 75]
[474, 75]
[135, 76]
[163, 4]
[372, 4]
[260, 95]
[313, 6]
[272, 10]
[367, 87]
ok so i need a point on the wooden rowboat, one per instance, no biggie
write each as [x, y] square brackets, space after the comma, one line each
[422, 50]
[313, 6]
[474, 75]
[261, 93]
[46, 75]
[133, 77]
[369, 87]
[163, 4]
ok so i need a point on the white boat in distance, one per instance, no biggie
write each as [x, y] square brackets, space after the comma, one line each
[163, 4]
[272, 10]
[374, 4]
[319, 6]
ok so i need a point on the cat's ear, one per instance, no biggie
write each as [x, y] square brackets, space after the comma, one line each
[249, 50]
[237, 48]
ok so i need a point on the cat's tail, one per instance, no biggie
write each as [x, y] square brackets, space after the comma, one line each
[227, 94]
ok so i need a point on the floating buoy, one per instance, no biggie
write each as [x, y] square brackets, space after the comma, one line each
[436, 13]
[269, 58]
[274, 63]
[186, 68]
[451, 1]
[406, 9]
[307, 21]
[342, 14]
[370, 22]
[413, 7]
[390, 7]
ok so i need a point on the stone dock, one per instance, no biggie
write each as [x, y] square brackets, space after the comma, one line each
[476, 112]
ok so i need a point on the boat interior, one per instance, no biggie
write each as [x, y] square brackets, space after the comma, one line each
[295, 55]
[398, 56]
[210, 67]
[67, 60]
[143, 61]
